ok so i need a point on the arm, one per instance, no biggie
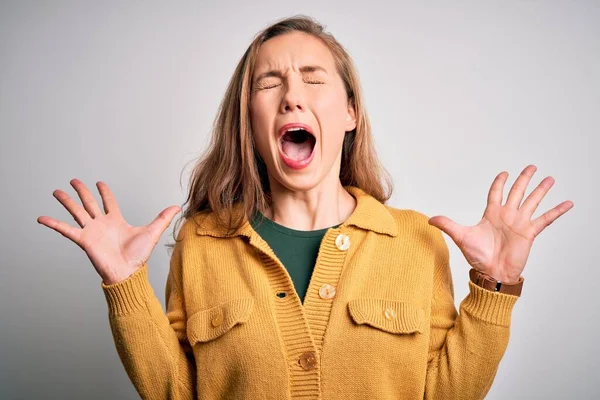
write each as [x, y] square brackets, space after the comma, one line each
[465, 349]
[152, 346]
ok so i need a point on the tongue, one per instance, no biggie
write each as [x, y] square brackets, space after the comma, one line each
[297, 151]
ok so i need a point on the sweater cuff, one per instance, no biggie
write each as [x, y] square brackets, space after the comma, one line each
[129, 295]
[493, 307]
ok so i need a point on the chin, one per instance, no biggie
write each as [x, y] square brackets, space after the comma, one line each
[301, 182]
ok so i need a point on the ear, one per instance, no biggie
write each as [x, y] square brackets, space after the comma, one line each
[351, 117]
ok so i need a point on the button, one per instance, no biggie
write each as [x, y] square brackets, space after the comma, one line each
[389, 313]
[307, 360]
[216, 321]
[342, 241]
[327, 291]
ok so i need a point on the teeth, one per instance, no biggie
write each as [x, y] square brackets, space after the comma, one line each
[297, 128]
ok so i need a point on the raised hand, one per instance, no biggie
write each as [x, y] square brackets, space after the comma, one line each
[500, 243]
[115, 248]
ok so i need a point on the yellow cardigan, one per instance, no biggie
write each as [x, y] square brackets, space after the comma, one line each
[378, 321]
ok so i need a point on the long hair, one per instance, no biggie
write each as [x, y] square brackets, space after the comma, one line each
[231, 170]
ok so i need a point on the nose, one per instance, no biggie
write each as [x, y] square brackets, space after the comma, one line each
[293, 97]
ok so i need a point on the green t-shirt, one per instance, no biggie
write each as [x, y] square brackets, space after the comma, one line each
[297, 250]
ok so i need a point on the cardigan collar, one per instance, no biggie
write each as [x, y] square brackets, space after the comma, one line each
[369, 214]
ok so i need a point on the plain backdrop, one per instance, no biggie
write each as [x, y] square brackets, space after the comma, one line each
[457, 91]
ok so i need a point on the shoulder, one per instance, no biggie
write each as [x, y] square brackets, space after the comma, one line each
[188, 244]
[185, 230]
[407, 215]
[205, 227]
[416, 223]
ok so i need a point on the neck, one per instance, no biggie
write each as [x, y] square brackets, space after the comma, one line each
[306, 210]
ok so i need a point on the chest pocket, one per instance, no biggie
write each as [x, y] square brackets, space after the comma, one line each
[209, 324]
[391, 316]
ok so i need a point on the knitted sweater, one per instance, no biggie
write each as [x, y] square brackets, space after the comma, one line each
[297, 250]
[378, 321]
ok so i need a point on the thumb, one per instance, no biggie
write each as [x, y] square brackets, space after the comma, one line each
[449, 227]
[162, 221]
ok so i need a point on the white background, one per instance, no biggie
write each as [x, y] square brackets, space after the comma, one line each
[126, 92]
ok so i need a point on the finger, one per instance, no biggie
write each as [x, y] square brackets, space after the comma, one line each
[495, 193]
[541, 222]
[89, 202]
[532, 201]
[161, 222]
[108, 199]
[63, 228]
[518, 189]
[451, 228]
[79, 214]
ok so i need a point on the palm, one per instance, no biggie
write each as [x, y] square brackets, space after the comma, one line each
[110, 242]
[500, 243]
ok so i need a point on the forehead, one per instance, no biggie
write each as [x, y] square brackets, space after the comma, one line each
[292, 50]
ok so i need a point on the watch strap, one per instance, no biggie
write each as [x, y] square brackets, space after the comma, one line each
[487, 282]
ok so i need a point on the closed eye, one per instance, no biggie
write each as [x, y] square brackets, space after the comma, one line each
[312, 82]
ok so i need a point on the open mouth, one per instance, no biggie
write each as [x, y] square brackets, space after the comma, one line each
[297, 144]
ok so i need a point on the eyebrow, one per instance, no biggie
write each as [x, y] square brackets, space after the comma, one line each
[277, 73]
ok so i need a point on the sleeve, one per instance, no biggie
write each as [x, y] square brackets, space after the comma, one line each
[465, 349]
[152, 345]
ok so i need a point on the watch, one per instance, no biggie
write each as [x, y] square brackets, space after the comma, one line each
[489, 283]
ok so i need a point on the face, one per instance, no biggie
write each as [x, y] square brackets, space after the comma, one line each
[299, 111]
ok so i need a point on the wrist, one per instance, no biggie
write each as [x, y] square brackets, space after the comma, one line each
[489, 283]
[510, 281]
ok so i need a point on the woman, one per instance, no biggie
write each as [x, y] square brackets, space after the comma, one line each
[290, 278]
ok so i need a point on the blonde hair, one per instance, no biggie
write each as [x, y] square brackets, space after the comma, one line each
[231, 170]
